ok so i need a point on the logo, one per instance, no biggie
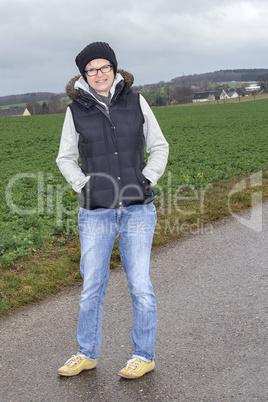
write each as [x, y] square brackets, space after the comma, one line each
[256, 210]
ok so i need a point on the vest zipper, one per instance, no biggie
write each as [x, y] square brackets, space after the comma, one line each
[114, 138]
[107, 115]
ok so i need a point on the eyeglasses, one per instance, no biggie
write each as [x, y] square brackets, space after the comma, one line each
[94, 71]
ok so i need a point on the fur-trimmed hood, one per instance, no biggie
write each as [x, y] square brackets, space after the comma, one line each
[72, 92]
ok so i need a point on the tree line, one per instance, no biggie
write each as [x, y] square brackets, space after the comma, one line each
[56, 104]
[177, 91]
[168, 93]
[240, 75]
[26, 98]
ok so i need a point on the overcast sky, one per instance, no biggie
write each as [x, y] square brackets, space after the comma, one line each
[155, 40]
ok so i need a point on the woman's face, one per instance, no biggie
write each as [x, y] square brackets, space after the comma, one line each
[101, 82]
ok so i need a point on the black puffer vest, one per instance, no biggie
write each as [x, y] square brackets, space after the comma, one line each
[111, 147]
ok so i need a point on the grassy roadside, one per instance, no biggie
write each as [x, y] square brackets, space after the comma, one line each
[33, 278]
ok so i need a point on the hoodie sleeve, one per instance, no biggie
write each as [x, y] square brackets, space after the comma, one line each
[67, 159]
[156, 145]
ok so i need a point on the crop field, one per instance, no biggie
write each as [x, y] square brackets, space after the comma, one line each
[208, 144]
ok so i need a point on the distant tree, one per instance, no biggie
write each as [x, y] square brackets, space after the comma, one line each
[167, 93]
[64, 103]
[263, 81]
[149, 95]
[44, 108]
[157, 95]
[54, 104]
[204, 85]
[34, 107]
[182, 94]
[159, 99]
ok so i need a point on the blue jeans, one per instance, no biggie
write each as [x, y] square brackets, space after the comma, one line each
[134, 226]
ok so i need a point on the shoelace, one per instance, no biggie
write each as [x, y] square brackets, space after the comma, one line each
[73, 361]
[133, 363]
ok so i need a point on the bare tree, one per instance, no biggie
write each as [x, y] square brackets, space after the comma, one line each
[264, 81]
[182, 94]
[44, 108]
[34, 107]
[54, 104]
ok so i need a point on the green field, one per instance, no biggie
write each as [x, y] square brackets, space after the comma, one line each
[212, 148]
[234, 84]
[208, 144]
[11, 106]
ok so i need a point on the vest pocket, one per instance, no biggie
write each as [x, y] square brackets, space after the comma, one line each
[147, 188]
[100, 191]
[142, 179]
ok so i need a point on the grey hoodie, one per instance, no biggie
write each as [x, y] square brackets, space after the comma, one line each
[68, 155]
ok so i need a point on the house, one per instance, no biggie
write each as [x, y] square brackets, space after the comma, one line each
[229, 93]
[253, 88]
[205, 96]
[232, 93]
[224, 94]
[15, 111]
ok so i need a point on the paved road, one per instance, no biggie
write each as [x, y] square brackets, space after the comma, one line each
[212, 329]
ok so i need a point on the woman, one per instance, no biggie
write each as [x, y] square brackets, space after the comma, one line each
[107, 125]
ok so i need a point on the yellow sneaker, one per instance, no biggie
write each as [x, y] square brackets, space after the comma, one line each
[76, 364]
[136, 368]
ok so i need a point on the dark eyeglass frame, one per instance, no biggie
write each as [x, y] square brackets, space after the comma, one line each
[94, 71]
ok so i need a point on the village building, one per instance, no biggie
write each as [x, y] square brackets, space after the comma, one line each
[253, 88]
[205, 96]
[15, 111]
[228, 94]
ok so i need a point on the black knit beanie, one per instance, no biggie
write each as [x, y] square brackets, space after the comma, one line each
[95, 50]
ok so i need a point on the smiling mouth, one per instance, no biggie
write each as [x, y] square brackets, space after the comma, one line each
[100, 81]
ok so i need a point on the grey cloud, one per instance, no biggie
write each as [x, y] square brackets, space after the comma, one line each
[154, 40]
